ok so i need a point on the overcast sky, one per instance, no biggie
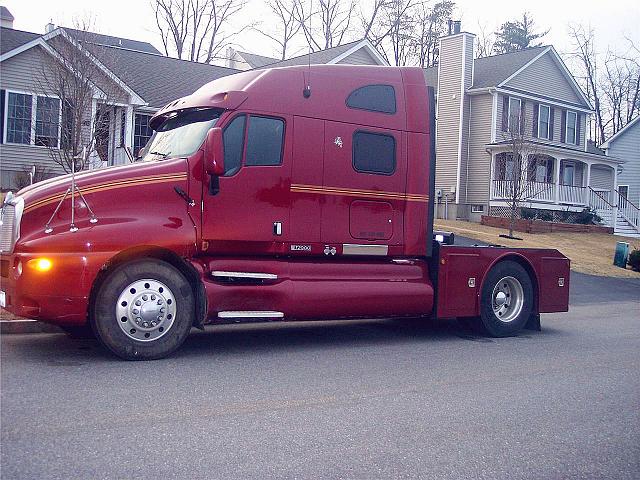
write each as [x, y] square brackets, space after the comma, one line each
[612, 20]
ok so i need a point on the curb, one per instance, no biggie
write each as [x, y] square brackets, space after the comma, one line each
[26, 326]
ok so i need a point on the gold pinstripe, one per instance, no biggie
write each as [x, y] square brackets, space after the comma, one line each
[301, 188]
[99, 187]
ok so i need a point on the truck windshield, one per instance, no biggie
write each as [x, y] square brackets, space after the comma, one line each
[180, 135]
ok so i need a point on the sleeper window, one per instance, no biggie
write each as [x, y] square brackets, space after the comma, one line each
[375, 98]
[374, 153]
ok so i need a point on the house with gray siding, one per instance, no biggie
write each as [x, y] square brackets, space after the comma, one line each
[625, 145]
[482, 102]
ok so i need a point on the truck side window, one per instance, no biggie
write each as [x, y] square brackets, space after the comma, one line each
[233, 139]
[374, 153]
[264, 141]
[374, 98]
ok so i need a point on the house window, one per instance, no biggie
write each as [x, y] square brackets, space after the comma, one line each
[47, 122]
[374, 153]
[265, 138]
[544, 114]
[572, 120]
[515, 106]
[505, 166]
[19, 109]
[375, 98]
[477, 208]
[142, 132]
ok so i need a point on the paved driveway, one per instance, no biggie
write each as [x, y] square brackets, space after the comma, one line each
[375, 399]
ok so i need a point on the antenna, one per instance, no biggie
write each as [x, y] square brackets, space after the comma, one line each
[73, 190]
[306, 93]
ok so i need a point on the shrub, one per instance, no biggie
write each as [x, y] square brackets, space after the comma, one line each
[527, 213]
[587, 217]
[634, 259]
[545, 215]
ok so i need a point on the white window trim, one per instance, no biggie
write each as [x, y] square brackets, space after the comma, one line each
[540, 107]
[477, 208]
[575, 128]
[34, 106]
[509, 113]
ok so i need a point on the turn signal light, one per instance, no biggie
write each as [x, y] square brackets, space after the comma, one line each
[40, 264]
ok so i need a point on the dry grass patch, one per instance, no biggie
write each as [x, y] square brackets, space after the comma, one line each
[589, 252]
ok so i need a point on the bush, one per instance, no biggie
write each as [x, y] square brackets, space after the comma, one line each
[587, 217]
[634, 259]
[545, 215]
[527, 213]
[536, 214]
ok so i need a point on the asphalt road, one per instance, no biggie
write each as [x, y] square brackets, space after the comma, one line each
[365, 400]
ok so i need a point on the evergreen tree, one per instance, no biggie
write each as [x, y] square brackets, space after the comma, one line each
[515, 35]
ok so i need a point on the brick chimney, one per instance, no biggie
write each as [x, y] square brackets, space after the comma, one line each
[455, 76]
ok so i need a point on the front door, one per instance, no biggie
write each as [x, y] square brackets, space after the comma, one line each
[246, 210]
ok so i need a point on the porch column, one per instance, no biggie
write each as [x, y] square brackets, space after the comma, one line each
[557, 181]
[588, 184]
[128, 135]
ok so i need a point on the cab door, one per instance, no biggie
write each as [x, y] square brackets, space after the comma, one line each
[364, 182]
[246, 210]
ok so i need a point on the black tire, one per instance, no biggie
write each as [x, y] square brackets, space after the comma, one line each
[489, 322]
[104, 318]
[79, 332]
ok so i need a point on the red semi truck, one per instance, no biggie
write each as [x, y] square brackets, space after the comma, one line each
[281, 194]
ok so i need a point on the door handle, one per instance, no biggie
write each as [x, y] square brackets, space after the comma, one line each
[277, 228]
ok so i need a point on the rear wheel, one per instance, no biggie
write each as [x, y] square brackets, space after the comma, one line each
[506, 300]
[144, 310]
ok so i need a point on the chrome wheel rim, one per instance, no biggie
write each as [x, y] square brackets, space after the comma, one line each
[146, 310]
[507, 299]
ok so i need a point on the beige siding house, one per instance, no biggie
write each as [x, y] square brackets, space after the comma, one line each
[482, 104]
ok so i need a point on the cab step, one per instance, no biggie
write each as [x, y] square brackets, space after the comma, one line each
[250, 314]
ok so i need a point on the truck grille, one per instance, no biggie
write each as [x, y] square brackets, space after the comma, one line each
[10, 218]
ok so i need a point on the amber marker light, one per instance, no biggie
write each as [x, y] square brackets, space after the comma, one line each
[40, 264]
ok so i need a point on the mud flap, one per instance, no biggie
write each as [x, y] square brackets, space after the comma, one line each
[534, 322]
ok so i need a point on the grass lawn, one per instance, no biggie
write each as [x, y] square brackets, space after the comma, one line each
[589, 252]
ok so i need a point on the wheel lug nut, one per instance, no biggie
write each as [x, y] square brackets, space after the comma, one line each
[144, 297]
[138, 303]
[135, 311]
[153, 297]
[162, 310]
[159, 302]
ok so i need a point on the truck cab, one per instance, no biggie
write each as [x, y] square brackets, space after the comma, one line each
[280, 194]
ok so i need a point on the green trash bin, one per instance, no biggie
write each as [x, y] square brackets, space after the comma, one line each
[621, 255]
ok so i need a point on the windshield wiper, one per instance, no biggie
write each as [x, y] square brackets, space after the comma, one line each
[160, 154]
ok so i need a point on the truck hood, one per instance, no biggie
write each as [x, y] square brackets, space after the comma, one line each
[52, 190]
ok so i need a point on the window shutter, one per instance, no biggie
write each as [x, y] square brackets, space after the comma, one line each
[563, 126]
[534, 129]
[2, 95]
[505, 113]
[552, 114]
[578, 122]
[522, 116]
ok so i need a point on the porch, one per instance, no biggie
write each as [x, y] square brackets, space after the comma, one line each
[555, 178]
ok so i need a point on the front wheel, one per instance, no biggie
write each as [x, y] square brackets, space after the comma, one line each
[144, 310]
[506, 300]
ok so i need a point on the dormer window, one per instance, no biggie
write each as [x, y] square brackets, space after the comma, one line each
[572, 128]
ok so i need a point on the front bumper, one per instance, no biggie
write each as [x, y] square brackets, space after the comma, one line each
[58, 296]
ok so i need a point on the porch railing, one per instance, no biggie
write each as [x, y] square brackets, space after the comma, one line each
[533, 191]
[629, 211]
[599, 200]
[571, 194]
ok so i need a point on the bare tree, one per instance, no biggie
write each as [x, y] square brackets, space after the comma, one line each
[485, 42]
[430, 25]
[326, 23]
[74, 82]
[516, 168]
[197, 30]
[584, 52]
[287, 27]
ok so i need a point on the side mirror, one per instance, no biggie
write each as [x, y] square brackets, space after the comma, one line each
[214, 152]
